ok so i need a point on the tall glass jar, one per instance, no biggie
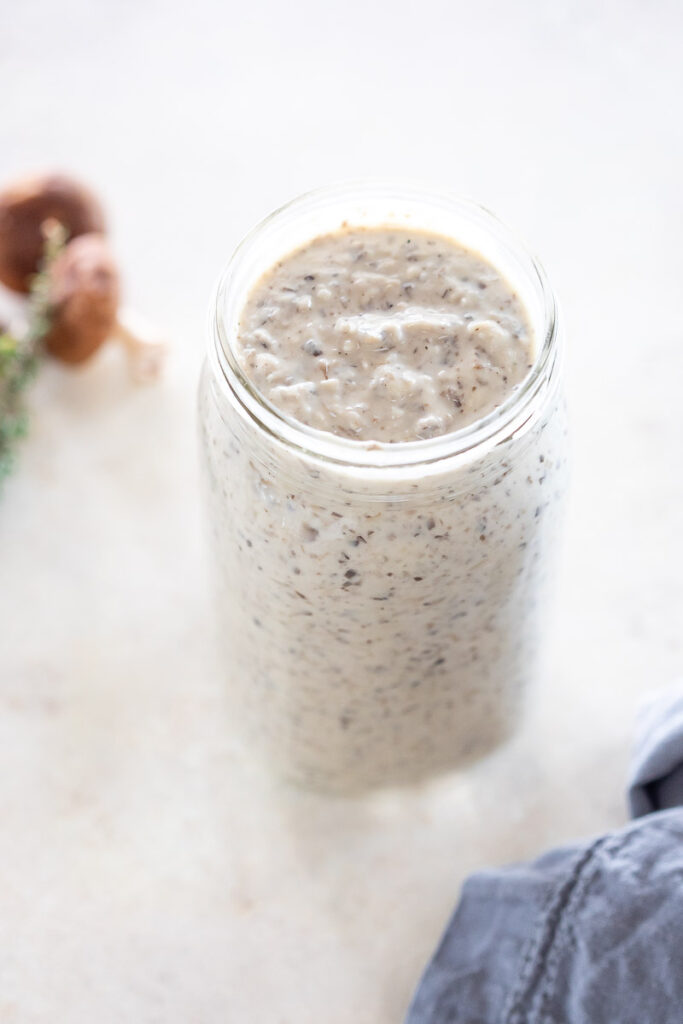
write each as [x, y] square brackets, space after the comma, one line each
[381, 604]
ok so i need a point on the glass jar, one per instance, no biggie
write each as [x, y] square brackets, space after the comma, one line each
[381, 604]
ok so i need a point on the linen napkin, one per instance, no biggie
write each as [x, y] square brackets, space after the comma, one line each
[586, 934]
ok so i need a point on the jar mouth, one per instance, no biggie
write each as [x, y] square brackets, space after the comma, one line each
[407, 202]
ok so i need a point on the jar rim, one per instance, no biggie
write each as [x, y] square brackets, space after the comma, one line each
[493, 428]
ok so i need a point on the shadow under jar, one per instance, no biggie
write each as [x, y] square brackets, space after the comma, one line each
[381, 603]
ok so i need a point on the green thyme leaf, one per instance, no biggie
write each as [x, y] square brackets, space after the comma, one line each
[20, 357]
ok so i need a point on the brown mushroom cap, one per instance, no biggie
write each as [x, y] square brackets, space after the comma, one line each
[24, 206]
[84, 298]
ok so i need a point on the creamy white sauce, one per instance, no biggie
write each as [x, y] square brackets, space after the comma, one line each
[384, 334]
[380, 630]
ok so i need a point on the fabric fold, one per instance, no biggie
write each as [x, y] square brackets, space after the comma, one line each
[586, 934]
[656, 780]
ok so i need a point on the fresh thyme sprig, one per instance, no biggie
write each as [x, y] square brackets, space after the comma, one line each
[20, 356]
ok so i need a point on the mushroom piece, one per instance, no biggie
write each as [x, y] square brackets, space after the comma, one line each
[25, 206]
[83, 299]
[83, 303]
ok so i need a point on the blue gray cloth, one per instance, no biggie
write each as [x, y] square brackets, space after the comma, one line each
[657, 771]
[586, 934]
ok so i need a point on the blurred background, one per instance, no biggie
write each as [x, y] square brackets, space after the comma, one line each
[145, 872]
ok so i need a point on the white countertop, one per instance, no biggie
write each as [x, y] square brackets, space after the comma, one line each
[148, 872]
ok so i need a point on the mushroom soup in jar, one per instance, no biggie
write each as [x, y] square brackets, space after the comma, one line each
[384, 447]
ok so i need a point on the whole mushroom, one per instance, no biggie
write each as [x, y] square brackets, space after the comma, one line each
[83, 310]
[83, 299]
[24, 208]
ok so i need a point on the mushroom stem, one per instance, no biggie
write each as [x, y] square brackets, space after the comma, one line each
[146, 351]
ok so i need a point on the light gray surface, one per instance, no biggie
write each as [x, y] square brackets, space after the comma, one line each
[147, 872]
